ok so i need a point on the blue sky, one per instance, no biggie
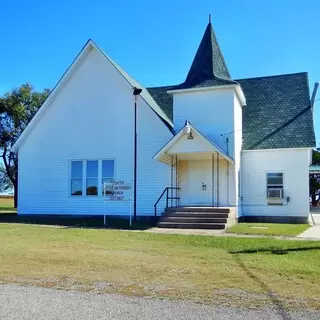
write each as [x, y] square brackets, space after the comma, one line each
[155, 41]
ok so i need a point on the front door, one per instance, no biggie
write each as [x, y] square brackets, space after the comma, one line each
[200, 182]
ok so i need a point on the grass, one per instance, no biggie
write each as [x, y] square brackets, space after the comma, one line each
[269, 229]
[69, 221]
[199, 268]
[6, 204]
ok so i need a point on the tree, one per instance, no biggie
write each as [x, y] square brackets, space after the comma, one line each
[314, 179]
[17, 108]
[5, 182]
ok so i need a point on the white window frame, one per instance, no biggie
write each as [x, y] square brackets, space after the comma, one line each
[70, 178]
[84, 177]
[280, 186]
[105, 177]
[88, 178]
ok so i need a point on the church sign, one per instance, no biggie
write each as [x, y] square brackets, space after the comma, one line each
[117, 191]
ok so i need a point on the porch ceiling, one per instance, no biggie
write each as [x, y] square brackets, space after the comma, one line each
[195, 156]
[189, 144]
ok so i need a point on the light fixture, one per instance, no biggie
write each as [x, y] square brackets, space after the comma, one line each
[136, 91]
[190, 136]
[187, 130]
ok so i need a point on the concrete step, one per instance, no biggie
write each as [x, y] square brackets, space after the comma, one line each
[184, 225]
[193, 219]
[198, 209]
[190, 214]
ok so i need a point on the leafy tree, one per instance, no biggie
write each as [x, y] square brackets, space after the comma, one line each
[314, 179]
[17, 108]
[316, 157]
[5, 182]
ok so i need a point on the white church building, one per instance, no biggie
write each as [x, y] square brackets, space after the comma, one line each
[210, 146]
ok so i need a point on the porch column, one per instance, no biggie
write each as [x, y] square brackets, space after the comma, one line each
[218, 179]
[174, 179]
[215, 179]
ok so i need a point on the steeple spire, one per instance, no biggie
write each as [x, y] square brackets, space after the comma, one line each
[208, 63]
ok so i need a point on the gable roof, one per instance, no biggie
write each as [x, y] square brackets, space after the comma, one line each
[162, 156]
[314, 168]
[277, 114]
[145, 95]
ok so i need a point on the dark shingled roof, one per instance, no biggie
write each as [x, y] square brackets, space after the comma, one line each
[277, 114]
[208, 63]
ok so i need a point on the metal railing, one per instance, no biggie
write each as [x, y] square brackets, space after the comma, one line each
[166, 191]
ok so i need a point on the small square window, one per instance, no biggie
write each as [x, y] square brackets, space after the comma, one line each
[275, 179]
[275, 188]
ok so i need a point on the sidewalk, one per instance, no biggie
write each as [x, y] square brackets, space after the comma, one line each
[222, 233]
[313, 233]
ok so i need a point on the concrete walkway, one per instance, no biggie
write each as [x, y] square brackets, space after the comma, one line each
[311, 234]
[314, 231]
[221, 233]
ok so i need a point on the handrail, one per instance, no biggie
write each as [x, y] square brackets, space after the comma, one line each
[167, 198]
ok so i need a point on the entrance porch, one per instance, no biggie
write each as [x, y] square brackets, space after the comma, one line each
[201, 173]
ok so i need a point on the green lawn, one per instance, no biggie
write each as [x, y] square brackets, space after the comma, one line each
[6, 204]
[268, 229]
[200, 268]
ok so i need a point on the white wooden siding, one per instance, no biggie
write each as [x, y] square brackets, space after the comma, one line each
[294, 165]
[91, 118]
[237, 138]
[210, 111]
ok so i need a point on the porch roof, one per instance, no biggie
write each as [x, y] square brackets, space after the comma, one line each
[314, 168]
[189, 140]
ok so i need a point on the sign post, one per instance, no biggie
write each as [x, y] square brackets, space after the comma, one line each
[117, 191]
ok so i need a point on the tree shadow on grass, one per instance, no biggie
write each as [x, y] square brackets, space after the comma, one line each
[275, 250]
[280, 308]
[93, 222]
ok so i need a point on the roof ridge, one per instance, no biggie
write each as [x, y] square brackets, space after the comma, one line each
[161, 87]
[273, 76]
[235, 80]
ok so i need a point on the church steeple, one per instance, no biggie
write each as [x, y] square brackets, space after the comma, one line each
[208, 63]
